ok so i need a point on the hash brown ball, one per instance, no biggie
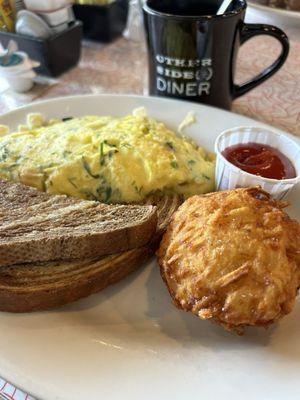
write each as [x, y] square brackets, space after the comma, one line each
[232, 257]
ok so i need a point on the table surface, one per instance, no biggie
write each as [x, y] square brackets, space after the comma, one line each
[121, 67]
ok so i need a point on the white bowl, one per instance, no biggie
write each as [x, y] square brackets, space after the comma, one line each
[228, 176]
[30, 24]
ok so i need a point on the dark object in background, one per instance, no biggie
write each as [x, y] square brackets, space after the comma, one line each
[102, 23]
[56, 54]
[192, 51]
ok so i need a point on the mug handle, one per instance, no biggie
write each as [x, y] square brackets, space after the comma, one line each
[251, 30]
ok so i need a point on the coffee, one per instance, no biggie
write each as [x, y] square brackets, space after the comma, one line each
[186, 7]
[193, 51]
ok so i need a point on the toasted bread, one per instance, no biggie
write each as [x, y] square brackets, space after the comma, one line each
[35, 226]
[41, 286]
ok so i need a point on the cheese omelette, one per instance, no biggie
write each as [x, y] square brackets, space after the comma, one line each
[105, 158]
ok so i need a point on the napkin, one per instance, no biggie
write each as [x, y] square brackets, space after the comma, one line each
[12, 392]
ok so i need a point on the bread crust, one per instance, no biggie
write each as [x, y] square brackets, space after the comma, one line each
[36, 226]
[43, 286]
[95, 275]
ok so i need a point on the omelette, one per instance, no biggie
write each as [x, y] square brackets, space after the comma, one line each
[105, 158]
[232, 257]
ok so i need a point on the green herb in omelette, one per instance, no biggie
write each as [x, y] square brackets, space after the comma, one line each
[71, 180]
[102, 158]
[88, 169]
[170, 145]
[4, 153]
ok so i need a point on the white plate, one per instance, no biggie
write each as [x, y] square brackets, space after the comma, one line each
[129, 342]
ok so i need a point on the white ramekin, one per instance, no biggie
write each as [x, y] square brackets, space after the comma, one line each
[21, 84]
[228, 176]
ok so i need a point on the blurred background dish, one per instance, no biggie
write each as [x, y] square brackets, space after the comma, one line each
[293, 5]
[95, 2]
[273, 12]
[57, 17]
[60, 28]
[46, 5]
[103, 20]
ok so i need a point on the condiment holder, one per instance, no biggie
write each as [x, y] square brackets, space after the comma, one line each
[44, 19]
[56, 54]
[228, 176]
[48, 32]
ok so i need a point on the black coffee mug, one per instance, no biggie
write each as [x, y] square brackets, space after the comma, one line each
[193, 51]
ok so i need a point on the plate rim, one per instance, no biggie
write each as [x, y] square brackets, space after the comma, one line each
[115, 95]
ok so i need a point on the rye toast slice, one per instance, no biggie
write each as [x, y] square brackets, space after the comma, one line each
[43, 286]
[35, 226]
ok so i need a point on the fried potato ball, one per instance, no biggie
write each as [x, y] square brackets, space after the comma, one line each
[232, 257]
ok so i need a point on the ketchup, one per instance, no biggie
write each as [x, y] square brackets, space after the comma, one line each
[260, 159]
